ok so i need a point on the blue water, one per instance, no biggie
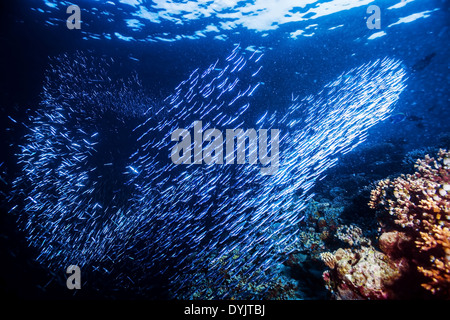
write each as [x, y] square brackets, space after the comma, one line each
[87, 116]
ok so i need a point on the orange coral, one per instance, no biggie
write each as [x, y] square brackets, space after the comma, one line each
[439, 271]
[420, 204]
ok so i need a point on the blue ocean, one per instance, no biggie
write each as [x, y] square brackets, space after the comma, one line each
[225, 150]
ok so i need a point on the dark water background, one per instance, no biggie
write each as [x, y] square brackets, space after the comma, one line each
[302, 65]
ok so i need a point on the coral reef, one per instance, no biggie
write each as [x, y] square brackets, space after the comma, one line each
[236, 285]
[408, 257]
[363, 273]
[319, 226]
[410, 158]
[420, 204]
[352, 235]
[360, 271]
[297, 277]
[413, 255]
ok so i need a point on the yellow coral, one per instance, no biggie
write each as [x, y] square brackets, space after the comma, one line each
[329, 259]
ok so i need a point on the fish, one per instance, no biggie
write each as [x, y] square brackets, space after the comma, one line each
[153, 219]
[397, 118]
[423, 63]
[249, 197]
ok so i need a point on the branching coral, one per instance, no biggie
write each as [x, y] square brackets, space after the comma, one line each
[439, 271]
[420, 204]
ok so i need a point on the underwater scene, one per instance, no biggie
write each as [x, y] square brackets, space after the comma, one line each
[225, 150]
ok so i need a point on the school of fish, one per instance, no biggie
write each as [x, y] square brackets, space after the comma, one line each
[100, 191]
